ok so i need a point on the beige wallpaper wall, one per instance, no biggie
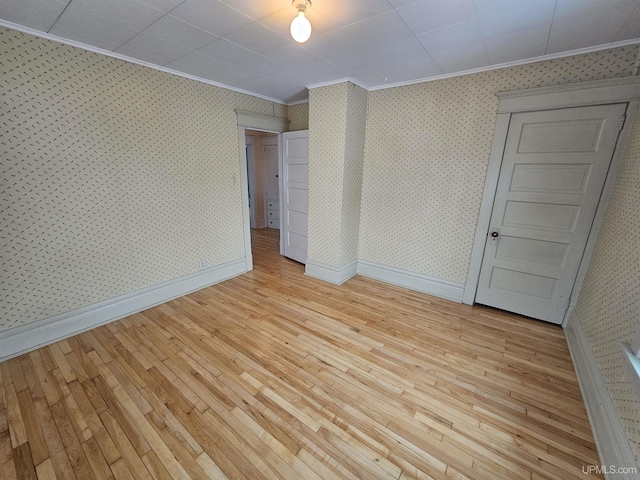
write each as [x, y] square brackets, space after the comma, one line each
[327, 130]
[113, 176]
[356, 125]
[336, 152]
[609, 304]
[426, 154]
[299, 116]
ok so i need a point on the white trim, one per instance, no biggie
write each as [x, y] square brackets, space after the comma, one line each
[249, 141]
[516, 63]
[419, 282]
[607, 190]
[337, 81]
[244, 192]
[298, 102]
[609, 435]
[597, 92]
[253, 121]
[119, 56]
[438, 287]
[257, 121]
[486, 207]
[335, 275]
[280, 190]
[25, 338]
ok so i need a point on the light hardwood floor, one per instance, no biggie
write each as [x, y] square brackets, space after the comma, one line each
[276, 375]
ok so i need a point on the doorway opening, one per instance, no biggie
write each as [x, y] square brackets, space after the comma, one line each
[263, 174]
[284, 179]
[262, 149]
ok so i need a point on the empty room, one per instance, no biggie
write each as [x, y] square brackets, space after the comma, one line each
[355, 239]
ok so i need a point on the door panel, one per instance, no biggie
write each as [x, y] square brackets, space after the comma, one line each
[561, 136]
[553, 171]
[549, 178]
[296, 194]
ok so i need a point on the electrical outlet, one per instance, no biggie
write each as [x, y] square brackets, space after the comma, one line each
[202, 264]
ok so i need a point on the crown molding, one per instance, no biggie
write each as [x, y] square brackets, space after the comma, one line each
[595, 92]
[142, 63]
[261, 122]
[570, 87]
[298, 102]
[339, 80]
[526, 61]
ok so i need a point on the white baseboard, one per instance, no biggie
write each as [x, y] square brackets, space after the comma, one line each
[395, 276]
[609, 435]
[335, 275]
[412, 280]
[23, 339]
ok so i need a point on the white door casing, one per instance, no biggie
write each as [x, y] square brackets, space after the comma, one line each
[251, 179]
[554, 167]
[254, 121]
[295, 198]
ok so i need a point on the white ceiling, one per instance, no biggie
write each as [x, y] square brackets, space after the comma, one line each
[246, 45]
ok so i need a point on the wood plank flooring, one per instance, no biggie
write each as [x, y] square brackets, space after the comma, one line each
[276, 375]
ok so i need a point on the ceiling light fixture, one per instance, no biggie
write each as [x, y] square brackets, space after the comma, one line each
[300, 26]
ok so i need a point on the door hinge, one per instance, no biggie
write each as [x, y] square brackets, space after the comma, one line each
[622, 120]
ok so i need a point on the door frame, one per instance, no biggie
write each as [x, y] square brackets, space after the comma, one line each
[598, 92]
[266, 123]
[251, 176]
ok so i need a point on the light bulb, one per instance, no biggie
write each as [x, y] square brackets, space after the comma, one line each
[301, 27]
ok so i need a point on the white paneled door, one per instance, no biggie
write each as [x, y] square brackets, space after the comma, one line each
[553, 171]
[295, 185]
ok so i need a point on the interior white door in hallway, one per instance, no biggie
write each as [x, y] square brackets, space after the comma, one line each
[272, 187]
[295, 187]
[554, 167]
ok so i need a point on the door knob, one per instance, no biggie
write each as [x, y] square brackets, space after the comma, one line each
[494, 234]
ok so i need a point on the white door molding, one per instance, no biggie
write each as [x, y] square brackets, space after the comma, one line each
[250, 142]
[599, 92]
[253, 121]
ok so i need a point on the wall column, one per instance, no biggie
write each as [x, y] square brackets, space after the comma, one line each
[337, 124]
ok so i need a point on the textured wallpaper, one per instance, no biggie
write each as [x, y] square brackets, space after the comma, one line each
[113, 176]
[327, 130]
[609, 304]
[356, 125]
[299, 116]
[336, 152]
[426, 155]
